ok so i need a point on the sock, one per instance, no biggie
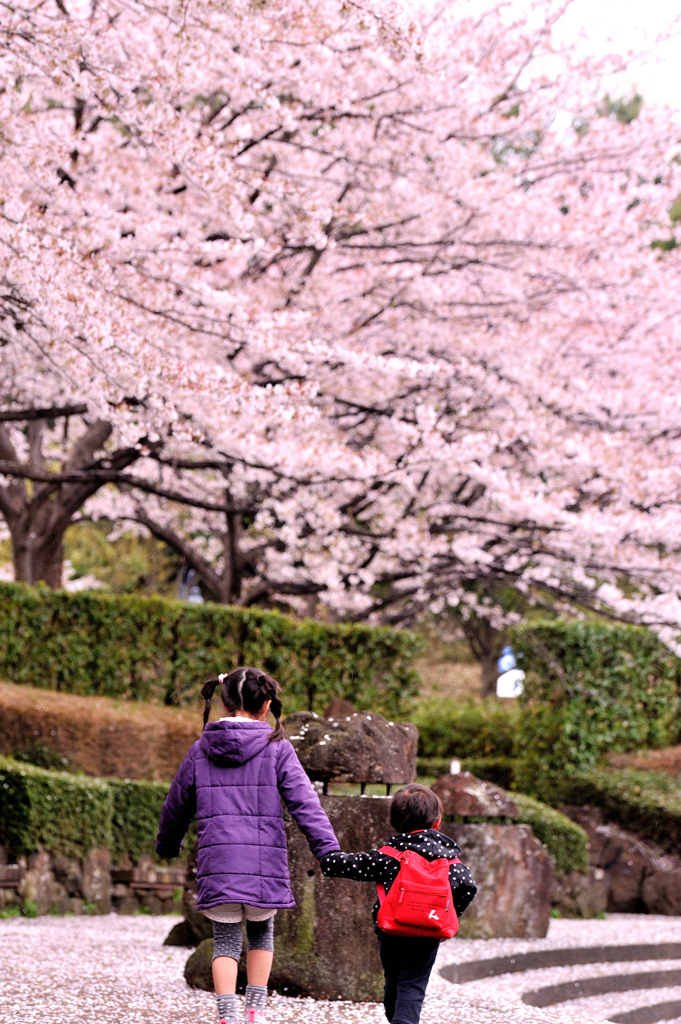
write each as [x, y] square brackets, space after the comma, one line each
[255, 998]
[227, 1009]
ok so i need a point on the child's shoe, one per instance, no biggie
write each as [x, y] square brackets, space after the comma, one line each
[254, 1016]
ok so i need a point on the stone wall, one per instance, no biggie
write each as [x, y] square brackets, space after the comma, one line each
[46, 883]
[628, 875]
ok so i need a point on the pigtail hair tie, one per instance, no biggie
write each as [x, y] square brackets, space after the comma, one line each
[207, 691]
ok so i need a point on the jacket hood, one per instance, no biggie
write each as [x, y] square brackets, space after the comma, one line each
[234, 741]
[430, 844]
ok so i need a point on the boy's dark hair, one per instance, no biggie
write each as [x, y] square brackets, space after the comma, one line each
[246, 689]
[414, 808]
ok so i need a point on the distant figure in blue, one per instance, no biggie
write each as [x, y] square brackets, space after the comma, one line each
[507, 660]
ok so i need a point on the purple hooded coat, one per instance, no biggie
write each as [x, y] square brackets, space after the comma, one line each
[233, 779]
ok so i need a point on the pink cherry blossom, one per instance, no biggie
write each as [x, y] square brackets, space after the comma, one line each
[392, 304]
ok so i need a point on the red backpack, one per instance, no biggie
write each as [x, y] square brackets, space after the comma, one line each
[419, 902]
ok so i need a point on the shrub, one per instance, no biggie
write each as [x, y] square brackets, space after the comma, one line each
[647, 803]
[447, 729]
[95, 735]
[151, 648]
[53, 810]
[591, 688]
[135, 814]
[73, 814]
[565, 840]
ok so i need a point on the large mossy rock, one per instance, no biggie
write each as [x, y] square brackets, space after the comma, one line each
[326, 946]
[198, 971]
[358, 747]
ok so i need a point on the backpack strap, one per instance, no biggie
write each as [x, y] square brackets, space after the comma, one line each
[398, 855]
[390, 851]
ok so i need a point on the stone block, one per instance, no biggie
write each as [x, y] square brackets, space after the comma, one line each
[640, 876]
[326, 946]
[68, 873]
[360, 747]
[9, 898]
[514, 876]
[661, 891]
[198, 971]
[151, 903]
[180, 935]
[39, 885]
[463, 794]
[127, 904]
[581, 895]
[626, 876]
[199, 925]
[96, 879]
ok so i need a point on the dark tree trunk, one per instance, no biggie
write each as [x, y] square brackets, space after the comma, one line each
[39, 514]
[488, 664]
[485, 642]
[37, 558]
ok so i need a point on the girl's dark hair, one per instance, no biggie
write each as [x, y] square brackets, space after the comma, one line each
[245, 689]
[414, 808]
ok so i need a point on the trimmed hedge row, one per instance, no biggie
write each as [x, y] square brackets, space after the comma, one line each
[591, 688]
[644, 802]
[59, 812]
[151, 648]
[135, 813]
[447, 729]
[72, 814]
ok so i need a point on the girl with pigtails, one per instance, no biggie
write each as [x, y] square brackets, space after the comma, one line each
[233, 779]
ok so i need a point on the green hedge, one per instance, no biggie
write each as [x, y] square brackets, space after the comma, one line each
[565, 839]
[59, 812]
[150, 648]
[72, 814]
[135, 814]
[590, 688]
[447, 729]
[647, 803]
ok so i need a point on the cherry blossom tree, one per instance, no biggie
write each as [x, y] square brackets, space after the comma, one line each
[379, 303]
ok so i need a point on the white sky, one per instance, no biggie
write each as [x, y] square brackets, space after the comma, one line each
[622, 27]
[633, 25]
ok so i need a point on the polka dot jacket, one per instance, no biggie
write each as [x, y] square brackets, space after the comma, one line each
[379, 867]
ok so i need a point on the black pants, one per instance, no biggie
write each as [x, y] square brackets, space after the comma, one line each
[407, 964]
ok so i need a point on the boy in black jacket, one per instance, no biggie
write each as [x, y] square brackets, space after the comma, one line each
[416, 814]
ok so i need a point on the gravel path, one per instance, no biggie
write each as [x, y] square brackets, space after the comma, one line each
[115, 970]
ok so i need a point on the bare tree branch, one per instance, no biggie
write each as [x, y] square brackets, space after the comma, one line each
[111, 476]
[53, 412]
